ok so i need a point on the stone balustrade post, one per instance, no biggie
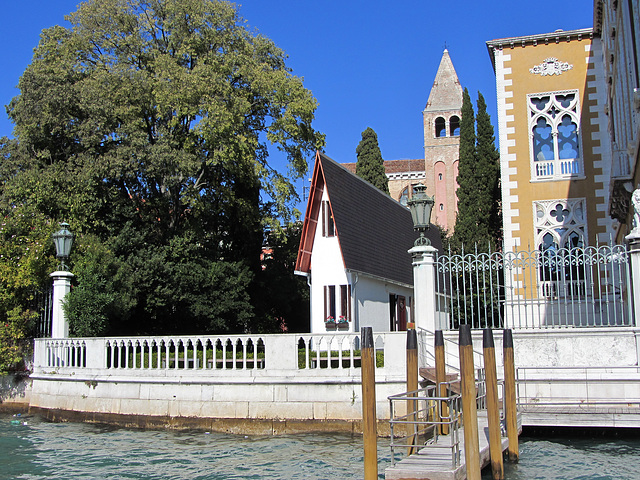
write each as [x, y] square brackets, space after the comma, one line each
[61, 286]
[634, 252]
[424, 287]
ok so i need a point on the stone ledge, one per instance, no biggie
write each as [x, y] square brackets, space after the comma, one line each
[237, 426]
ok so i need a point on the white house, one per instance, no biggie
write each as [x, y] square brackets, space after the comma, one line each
[354, 253]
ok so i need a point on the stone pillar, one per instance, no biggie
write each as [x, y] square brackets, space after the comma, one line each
[634, 252]
[424, 287]
[61, 286]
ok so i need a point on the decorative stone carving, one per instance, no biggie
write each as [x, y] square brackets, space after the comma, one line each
[620, 201]
[550, 66]
[635, 200]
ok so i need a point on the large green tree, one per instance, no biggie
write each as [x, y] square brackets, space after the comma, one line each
[488, 159]
[146, 125]
[370, 165]
[478, 218]
[478, 223]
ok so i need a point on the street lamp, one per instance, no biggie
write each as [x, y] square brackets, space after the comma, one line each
[63, 239]
[421, 205]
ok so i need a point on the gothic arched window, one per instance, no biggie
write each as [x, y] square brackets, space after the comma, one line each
[404, 196]
[560, 232]
[554, 120]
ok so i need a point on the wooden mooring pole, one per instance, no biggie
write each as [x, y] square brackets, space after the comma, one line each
[441, 378]
[412, 386]
[493, 408]
[369, 426]
[469, 409]
[510, 406]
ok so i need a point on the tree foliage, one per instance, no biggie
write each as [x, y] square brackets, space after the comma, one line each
[488, 159]
[478, 219]
[370, 165]
[286, 308]
[25, 260]
[147, 125]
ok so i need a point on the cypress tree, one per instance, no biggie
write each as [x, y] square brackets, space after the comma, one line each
[370, 165]
[478, 220]
[488, 159]
[466, 229]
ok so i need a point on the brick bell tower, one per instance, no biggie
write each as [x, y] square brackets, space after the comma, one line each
[441, 119]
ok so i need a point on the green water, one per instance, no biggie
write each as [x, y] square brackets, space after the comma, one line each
[43, 450]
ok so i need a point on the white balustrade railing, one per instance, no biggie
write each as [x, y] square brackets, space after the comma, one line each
[557, 168]
[251, 353]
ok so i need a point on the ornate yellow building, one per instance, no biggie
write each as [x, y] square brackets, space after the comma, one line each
[555, 155]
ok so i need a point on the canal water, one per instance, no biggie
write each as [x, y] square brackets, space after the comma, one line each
[34, 449]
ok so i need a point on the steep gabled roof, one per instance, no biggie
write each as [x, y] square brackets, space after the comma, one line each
[374, 231]
[446, 93]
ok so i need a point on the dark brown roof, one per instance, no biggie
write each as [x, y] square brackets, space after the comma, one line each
[375, 231]
[395, 166]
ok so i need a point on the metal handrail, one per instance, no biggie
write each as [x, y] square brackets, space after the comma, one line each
[424, 428]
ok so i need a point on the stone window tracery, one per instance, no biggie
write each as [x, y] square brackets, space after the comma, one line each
[561, 223]
[560, 235]
[554, 120]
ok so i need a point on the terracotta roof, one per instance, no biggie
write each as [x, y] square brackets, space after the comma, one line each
[350, 166]
[395, 166]
[404, 165]
[375, 231]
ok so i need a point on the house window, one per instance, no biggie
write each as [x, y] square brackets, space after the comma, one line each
[554, 120]
[336, 309]
[439, 176]
[345, 302]
[330, 302]
[560, 228]
[328, 227]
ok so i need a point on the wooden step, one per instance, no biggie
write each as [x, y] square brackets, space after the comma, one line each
[429, 374]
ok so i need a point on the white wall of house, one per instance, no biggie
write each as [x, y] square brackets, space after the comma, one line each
[371, 301]
[327, 268]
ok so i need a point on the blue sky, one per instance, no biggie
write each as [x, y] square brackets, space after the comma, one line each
[369, 64]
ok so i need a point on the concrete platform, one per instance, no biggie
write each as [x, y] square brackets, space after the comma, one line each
[613, 416]
[434, 463]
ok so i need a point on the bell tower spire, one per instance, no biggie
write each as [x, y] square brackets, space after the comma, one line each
[441, 120]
